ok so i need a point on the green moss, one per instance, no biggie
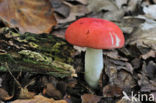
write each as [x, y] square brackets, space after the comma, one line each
[36, 53]
[56, 74]
[57, 47]
[15, 34]
[7, 58]
[3, 69]
[21, 40]
[35, 56]
[31, 38]
[33, 45]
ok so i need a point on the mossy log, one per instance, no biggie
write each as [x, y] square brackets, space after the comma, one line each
[35, 53]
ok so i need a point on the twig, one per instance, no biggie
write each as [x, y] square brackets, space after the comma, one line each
[89, 89]
[7, 67]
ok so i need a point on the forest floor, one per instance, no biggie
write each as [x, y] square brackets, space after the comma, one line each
[37, 64]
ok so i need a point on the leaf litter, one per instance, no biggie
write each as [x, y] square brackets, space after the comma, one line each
[128, 69]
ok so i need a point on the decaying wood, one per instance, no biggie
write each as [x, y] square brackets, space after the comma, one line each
[35, 53]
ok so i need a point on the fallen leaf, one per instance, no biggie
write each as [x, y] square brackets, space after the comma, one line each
[90, 98]
[123, 100]
[151, 53]
[4, 95]
[51, 91]
[60, 8]
[120, 3]
[62, 87]
[114, 55]
[72, 83]
[68, 98]
[39, 99]
[145, 84]
[132, 21]
[35, 16]
[83, 1]
[98, 5]
[145, 36]
[25, 94]
[148, 24]
[76, 11]
[106, 9]
[132, 5]
[128, 24]
[66, 12]
[79, 1]
[112, 91]
[114, 15]
[150, 11]
[118, 65]
[136, 63]
[120, 78]
[151, 70]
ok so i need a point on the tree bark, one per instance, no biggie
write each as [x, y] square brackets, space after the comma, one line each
[35, 53]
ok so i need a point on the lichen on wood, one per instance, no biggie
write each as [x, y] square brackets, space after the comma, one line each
[35, 53]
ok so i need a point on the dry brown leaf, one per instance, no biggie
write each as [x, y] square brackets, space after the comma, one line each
[112, 91]
[136, 63]
[76, 11]
[144, 38]
[98, 5]
[127, 101]
[150, 11]
[60, 8]
[35, 16]
[83, 1]
[132, 5]
[121, 78]
[120, 3]
[72, 83]
[151, 53]
[108, 9]
[4, 95]
[39, 99]
[90, 98]
[51, 91]
[151, 70]
[114, 55]
[68, 98]
[25, 94]
[114, 15]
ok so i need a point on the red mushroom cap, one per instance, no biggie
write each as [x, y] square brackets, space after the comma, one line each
[95, 33]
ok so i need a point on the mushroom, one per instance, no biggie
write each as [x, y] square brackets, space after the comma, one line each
[95, 34]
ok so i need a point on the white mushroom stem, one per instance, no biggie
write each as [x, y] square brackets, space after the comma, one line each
[93, 66]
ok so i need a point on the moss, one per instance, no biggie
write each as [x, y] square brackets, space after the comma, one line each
[35, 56]
[57, 47]
[21, 40]
[31, 38]
[56, 74]
[33, 45]
[36, 53]
[15, 34]
[3, 69]
[7, 58]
